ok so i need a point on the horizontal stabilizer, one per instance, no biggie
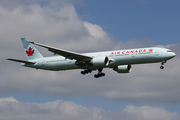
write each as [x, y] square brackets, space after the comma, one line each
[21, 61]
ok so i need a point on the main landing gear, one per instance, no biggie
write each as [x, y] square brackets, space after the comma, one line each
[86, 71]
[100, 74]
[162, 63]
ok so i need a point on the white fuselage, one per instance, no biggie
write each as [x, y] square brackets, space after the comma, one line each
[117, 57]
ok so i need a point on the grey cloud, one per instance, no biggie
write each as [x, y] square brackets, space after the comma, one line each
[138, 43]
[61, 28]
[146, 83]
[175, 48]
[149, 113]
[10, 108]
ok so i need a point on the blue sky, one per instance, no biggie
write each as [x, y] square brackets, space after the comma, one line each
[156, 20]
[84, 26]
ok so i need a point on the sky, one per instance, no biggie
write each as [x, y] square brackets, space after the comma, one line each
[147, 93]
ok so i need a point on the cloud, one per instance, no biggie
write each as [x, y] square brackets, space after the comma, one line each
[175, 48]
[10, 109]
[149, 113]
[57, 26]
[146, 83]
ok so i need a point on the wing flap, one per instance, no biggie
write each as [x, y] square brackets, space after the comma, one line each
[21, 61]
[65, 53]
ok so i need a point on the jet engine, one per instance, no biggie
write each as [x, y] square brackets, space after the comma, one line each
[123, 69]
[100, 61]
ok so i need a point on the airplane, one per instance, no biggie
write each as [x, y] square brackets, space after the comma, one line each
[120, 61]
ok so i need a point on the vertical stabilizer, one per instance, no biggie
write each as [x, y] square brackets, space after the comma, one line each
[31, 52]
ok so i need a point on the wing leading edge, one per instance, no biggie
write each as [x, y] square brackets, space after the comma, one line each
[67, 54]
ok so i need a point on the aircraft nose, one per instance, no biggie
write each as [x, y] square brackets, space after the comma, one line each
[170, 54]
[173, 54]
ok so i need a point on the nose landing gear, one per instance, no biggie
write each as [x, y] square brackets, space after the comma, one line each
[162, 63]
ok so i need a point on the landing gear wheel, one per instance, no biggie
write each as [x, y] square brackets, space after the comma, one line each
[99, 75]
[86, 71]
[89, 71]
[82, 72]
[162, 63]
[162, 67]
[103, 74]
[96, 76]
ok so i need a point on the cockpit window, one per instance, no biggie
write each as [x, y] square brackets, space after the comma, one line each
[169, 51]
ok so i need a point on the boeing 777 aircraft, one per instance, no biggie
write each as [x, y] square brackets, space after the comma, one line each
[118, 60]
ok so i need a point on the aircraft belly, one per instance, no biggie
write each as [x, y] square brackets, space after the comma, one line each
[63, 65]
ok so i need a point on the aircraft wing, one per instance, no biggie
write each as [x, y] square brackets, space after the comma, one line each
[65, 53]
[21, 61]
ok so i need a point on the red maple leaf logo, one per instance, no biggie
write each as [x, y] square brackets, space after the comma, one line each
[150, 50]
[30, 52]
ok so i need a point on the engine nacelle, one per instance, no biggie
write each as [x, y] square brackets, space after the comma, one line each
[100, 61]
[123, 69]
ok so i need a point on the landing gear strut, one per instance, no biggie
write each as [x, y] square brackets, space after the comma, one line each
[162, 63]
[86, 71]
[100, 74]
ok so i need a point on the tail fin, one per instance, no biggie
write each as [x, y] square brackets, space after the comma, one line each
[30, 51]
